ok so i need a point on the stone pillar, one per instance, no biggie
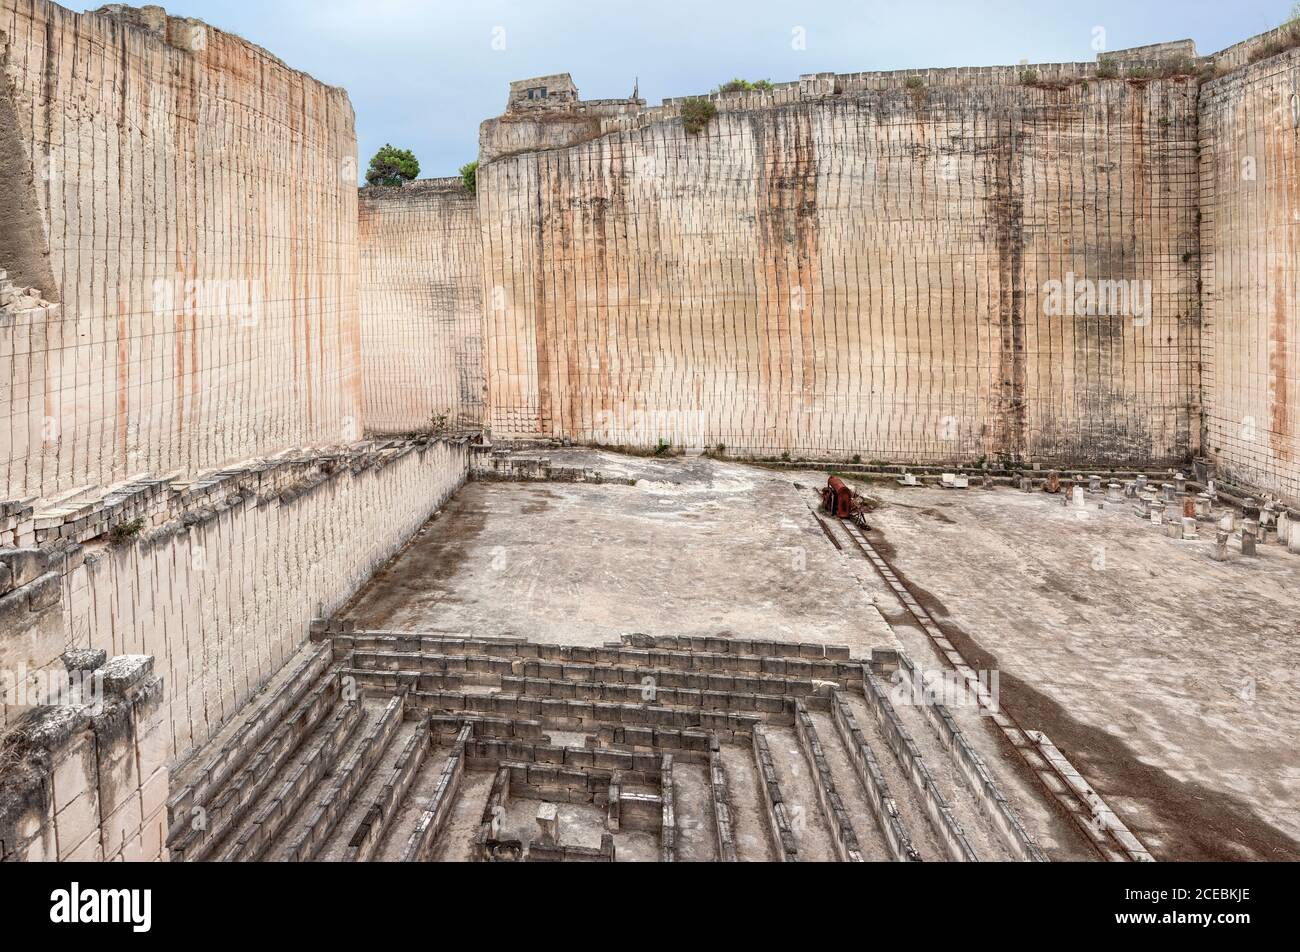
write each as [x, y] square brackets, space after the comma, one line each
[131, 742]
[548, 824]
[613, 815]
[1249, 527]
[1220, 551]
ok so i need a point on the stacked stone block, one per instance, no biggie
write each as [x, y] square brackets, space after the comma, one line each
[92, 784]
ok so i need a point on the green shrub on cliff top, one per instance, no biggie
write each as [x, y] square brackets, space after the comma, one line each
[469, 175]
[697, 113]
[392, 166]
[745, 86]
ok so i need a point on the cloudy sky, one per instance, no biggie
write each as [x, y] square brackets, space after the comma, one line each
[424, 73]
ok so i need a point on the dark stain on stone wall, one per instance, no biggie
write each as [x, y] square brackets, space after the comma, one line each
[1008, 208]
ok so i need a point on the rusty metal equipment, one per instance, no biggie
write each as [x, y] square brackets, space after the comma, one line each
[838, 499]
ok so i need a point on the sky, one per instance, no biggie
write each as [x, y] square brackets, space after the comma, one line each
[422, 74]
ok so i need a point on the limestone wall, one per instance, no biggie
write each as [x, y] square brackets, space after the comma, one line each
[222, 597]
[1250, 203]
[857, 274]
[191, 201]
[421, 307]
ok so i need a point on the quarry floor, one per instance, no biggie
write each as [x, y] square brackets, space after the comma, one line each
[1168, 678]
[1172, 680]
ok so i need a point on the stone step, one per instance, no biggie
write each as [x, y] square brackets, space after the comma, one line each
[294, 785]
[873, 784]
[228, 806]
[202, 778]
[335, 800]
[439, 806]
[849, 848]
[491, 672]
[748, 646]
[575, 715]
[791, 664]
[376, 813]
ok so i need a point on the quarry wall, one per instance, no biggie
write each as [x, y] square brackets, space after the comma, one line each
[186, 207]
[191, 202]
[935, 266]
[197, 612]
[421, 307]
[841, 268]
[222, 595]
[1250, 203]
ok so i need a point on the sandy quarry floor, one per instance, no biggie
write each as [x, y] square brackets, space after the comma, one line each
[1169, 679]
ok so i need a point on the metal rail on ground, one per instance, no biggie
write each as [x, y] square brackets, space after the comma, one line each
[1102, 828]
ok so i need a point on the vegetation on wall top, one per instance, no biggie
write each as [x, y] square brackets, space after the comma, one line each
[469, 175]
[745, 86]
[392, 166]
[697, 113]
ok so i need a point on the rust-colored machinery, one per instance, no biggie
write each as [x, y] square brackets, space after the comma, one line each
[838, 499]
